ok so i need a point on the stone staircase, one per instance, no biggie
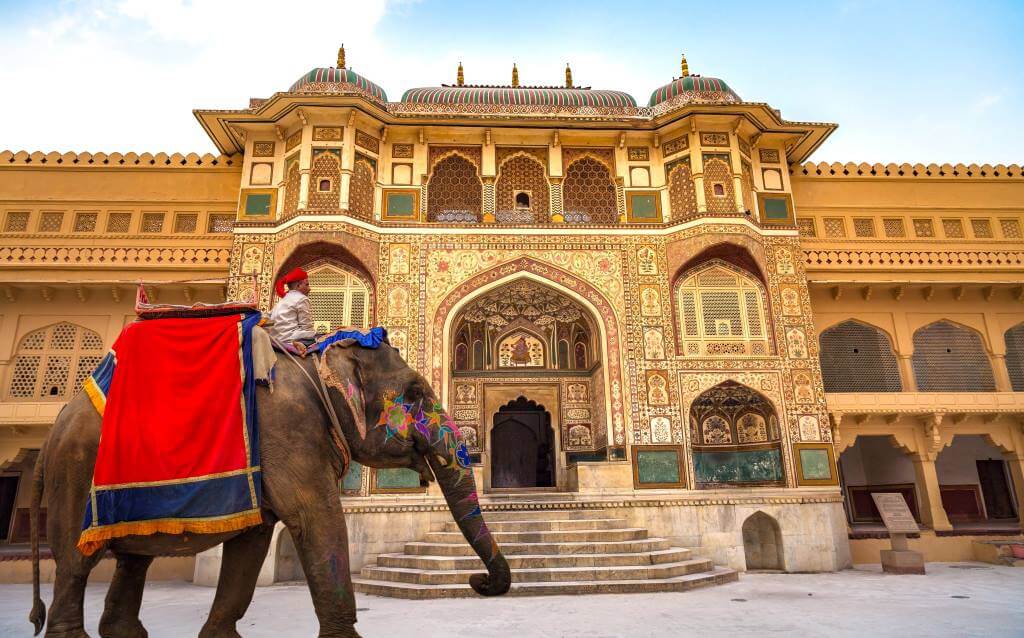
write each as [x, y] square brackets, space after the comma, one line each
[554, 551]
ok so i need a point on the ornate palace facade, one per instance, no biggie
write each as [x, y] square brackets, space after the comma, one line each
[661, 308]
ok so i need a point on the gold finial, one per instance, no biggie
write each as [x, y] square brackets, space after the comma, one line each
[515, 75]
[568, 76]
[461, 79]
[686, 67]
[341, 57]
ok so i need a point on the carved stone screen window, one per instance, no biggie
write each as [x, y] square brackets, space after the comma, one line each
[340, 298]
[894, 227]
[718, 188]
[85, 222]
[835, 227]
[152, 222]
[1015, 356]
[924, 228]
[454, 190]
[951, 358]
[51, 363]
[1011, 228]
[721, 310]
[51, 222]
[858, 358]
[953, 228]
[118, 222]
[325, 171]
[521, 175]
[681, 193]
[982, 228]
[864, 227]
[589, 189]
[17, 222]
[361, 190]
[220, 223]
[806, 227]
[185, 222]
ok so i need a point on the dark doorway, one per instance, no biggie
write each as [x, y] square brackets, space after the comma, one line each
[8, 494]
[994, 489]
[522, 446]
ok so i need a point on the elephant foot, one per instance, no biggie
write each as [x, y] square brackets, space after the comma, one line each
[78, 632]
[123, 629]
[218, 631]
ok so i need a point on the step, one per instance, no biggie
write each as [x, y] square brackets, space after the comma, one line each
[716, 576]
[569, 536]
[545, 525]
[462, 548]
[671, 555]
[536, 515]
[542, 574]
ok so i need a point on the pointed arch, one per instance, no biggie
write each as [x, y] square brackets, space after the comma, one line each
[762, 542]
[589, 189]
[454, 189]
[342, 291]
[50, 363]
[522, 171]
[950, 357]
[858, 357]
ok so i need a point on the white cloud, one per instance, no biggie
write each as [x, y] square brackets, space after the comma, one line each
[106, 75]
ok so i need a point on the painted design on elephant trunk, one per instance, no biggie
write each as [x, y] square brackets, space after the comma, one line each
[352, 394]
[398, 417]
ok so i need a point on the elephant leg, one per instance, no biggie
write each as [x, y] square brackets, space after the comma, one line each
[240, 566]
[124, 598]
[66, 613]
[321, 540]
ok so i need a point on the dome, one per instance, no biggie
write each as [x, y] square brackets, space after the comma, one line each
[334, 79]
[518, 96]
[695, 88]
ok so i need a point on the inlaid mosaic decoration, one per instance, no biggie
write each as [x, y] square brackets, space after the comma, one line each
[646, 386]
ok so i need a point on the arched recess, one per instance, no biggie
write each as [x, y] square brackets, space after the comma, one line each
[857, 357]
[598, 307]
[292, 184]
[454, 190]
[1015, 356]
[335, 263]
[681, 193]
[340, 296]
[522, 173]
[735, 438]
[588, 190]
[363, 187]
[949, 357]
[51, 363]
[522, 446]
[762, 542]
[718, 186]
[721, 310]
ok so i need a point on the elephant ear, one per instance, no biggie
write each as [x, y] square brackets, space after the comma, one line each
[348, 385]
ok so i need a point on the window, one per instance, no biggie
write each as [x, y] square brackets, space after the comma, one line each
[522, 200]
[834, 227]
[721, 311]
[893, 227]
[454, 191]
[1015, 356]
[118, 222]
[339, 297]
[924, 228]
[325, 185]
[186, 222]
[864, 227]
[85, 222]
[953, 228]
[220, 223]
[52, 362]
[51, 222]
[951, 358]
[589, 189]
[17, 222]
[152, 222]
[858, 358]
[806, 227]
[982, 228]
[719, 189]
[1011, 228]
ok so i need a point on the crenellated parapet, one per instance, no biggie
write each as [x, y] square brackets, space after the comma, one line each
[852, 169]
[157, 160]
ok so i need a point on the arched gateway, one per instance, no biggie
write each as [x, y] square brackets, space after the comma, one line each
[526, 374]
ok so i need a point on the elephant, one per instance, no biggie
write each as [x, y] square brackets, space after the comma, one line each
[301, 467]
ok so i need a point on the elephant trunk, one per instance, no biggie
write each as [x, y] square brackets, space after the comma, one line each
[459, 490]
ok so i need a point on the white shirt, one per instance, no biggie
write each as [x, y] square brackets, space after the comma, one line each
[293, 318]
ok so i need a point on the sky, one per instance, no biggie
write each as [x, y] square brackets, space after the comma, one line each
[906, 81]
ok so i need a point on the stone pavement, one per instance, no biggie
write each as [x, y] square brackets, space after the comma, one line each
[959, 599]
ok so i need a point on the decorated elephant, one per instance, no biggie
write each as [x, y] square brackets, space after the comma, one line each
[302, 460]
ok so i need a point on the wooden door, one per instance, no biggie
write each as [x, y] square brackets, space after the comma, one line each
[995, 489]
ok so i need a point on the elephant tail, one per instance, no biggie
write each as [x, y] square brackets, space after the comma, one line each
[38, 614]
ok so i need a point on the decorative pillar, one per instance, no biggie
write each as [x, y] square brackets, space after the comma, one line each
[737, 170]
[1015, 463]
[303, 188]
[488, 199]
[907, 372]
[697, 170]
[557, 205]
[305, 162]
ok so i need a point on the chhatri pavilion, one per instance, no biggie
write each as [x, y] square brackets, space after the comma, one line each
[659, 310]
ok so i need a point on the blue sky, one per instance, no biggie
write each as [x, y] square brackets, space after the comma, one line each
[906, 81]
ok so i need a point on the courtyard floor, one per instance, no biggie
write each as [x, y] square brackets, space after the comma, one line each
[954, 599]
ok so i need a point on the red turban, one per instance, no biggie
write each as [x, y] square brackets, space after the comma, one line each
[296, 275]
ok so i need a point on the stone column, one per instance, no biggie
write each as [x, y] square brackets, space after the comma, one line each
[305, 163]
[1001, 373]
[1015, 463]
[907, 372]
[933, 514]
[697, 170]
